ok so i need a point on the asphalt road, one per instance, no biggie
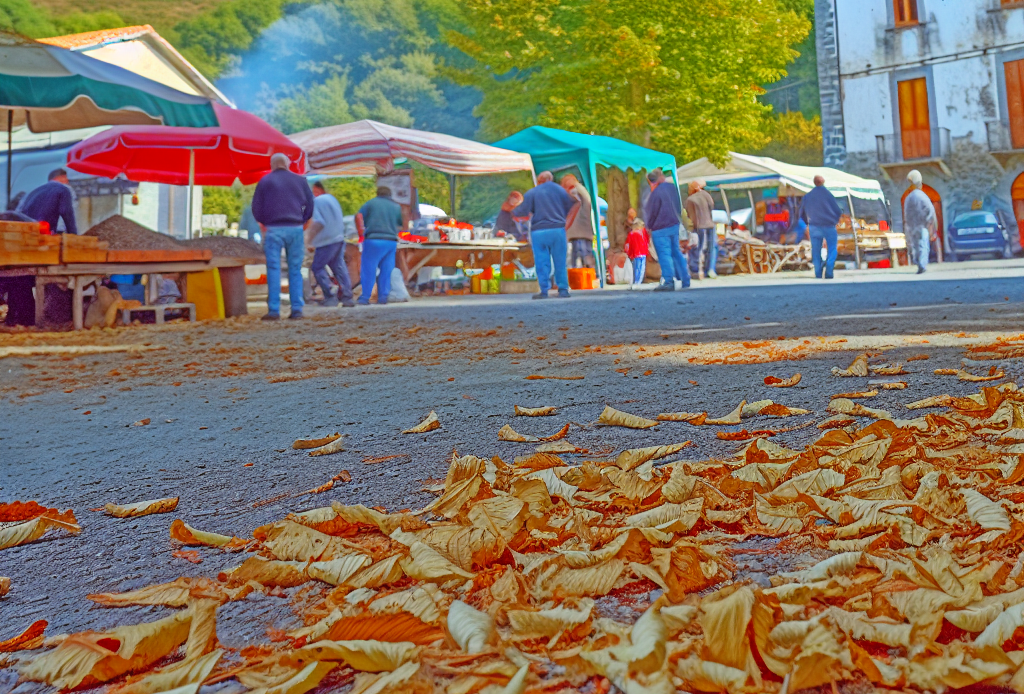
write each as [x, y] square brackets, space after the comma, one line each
[220, 434]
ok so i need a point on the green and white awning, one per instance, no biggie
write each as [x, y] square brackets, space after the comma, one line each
[52, 89]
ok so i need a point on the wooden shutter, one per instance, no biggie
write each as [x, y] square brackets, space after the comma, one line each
[915, 121]
[905, 11]
[1015, 101]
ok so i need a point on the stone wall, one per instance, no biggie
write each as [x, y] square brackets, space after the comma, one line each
[829, 86]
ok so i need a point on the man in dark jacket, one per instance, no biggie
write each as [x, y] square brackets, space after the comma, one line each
[823, 213]
[663, 212]
[282, 204]
[547, 205]
[52, 202]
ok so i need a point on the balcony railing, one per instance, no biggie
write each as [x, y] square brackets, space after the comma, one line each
[1000, 137]
[913, 146]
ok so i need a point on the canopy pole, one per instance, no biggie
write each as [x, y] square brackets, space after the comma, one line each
[601, 264]
[191, 186]
[725, 202]
[853, 226]
[10, 149]
[451, 195]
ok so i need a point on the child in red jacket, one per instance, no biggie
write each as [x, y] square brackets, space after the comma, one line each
[636, 249]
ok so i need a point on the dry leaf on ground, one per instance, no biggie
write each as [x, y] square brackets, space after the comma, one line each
[428, 424]
[305, 444]
[187, 535]
[733, 417]
[859, 367]
[29, 531]
[776, 382]
[142, 508]
[615, 418]
[534, 411]
[694, 418]
[335, 446]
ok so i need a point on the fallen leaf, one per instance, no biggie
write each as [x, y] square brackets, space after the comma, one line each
[5, 585]
[857, 395]
[29, 531]
[776, 382]
[859, 367]
[141, 423]
[694, 418]
[612, 417]
[733, 417]
[189, 555]
[537, 377]
[28, 640]
[471, 629]
[534, 411]
[304, 444]
[142, 508]
[335, 446]
[428, 424]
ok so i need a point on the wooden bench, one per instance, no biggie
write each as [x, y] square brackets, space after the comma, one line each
[158, 312]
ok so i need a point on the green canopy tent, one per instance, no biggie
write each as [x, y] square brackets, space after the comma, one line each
[554, 150]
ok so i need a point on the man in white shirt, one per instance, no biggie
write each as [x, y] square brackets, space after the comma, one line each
[325, 234]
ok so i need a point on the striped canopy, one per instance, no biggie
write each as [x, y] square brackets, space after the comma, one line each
[51, 89]
[367, 148]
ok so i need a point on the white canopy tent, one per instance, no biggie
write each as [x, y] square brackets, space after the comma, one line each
[746, 172]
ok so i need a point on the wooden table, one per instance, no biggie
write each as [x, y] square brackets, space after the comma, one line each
[78, 276]
[412, 257]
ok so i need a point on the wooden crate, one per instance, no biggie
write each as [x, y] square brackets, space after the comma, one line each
[174, 256]
[82, 249]
[22, 244]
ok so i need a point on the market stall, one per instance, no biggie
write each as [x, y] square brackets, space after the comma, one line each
[864, 232]
[555, 150]
[369, 148]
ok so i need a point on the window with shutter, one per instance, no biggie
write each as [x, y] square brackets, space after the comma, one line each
[1015, 101]
[906, 12]
[915, 121]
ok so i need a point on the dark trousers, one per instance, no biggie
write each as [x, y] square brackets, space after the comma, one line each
[21, 303]
[332, 256]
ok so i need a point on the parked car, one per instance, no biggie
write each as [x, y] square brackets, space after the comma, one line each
[977, 231]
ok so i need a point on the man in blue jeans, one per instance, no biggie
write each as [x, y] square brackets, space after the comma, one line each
[327, 241]
[282, 204]
[823, 213]
[548, 205]
[663, 212]
[378, 223]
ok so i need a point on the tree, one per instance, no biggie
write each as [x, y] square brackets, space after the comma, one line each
[794, 139]
[681, 77]
[212, 40]
[28, 19]
[314, 107]
[226, 200]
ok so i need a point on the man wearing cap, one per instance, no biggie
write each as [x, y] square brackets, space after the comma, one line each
[823, 213]
[282, 204]
[919, 221]
[52, 203]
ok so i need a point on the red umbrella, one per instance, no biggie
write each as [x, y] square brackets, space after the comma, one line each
[239, 148]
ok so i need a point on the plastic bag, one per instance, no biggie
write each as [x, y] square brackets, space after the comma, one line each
[398, 291]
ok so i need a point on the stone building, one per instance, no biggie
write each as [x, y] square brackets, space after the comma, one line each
[933, 85]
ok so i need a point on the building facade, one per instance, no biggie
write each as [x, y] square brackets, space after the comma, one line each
[932, 85]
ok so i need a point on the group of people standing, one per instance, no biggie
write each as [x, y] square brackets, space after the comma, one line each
[294, 217]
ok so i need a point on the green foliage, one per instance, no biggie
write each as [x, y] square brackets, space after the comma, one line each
[212, 40]
[314, 107]
[223, 200]
[794, 139]
[81, 22]
[681, 77]
[352, 193]
[23, 17]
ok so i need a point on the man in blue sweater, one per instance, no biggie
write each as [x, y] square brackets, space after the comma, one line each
[282, 204]
[52, 202]
[823, 213]
[547, 205]
[663, 213]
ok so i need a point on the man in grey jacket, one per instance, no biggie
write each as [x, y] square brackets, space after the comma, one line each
[919, 222]
[326, 236]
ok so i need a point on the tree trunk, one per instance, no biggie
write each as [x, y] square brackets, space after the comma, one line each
[618, 206]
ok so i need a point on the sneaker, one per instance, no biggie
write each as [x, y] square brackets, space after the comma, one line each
[560, 295]
[920, 270]
[541, 295]
[295, 315]
[329, 302]
[712, 274]
[348, 304]
[828, 277]
[677, 284]
[665, 288]
[271, 316]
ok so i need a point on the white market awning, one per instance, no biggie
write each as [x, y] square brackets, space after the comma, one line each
[745, 172]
